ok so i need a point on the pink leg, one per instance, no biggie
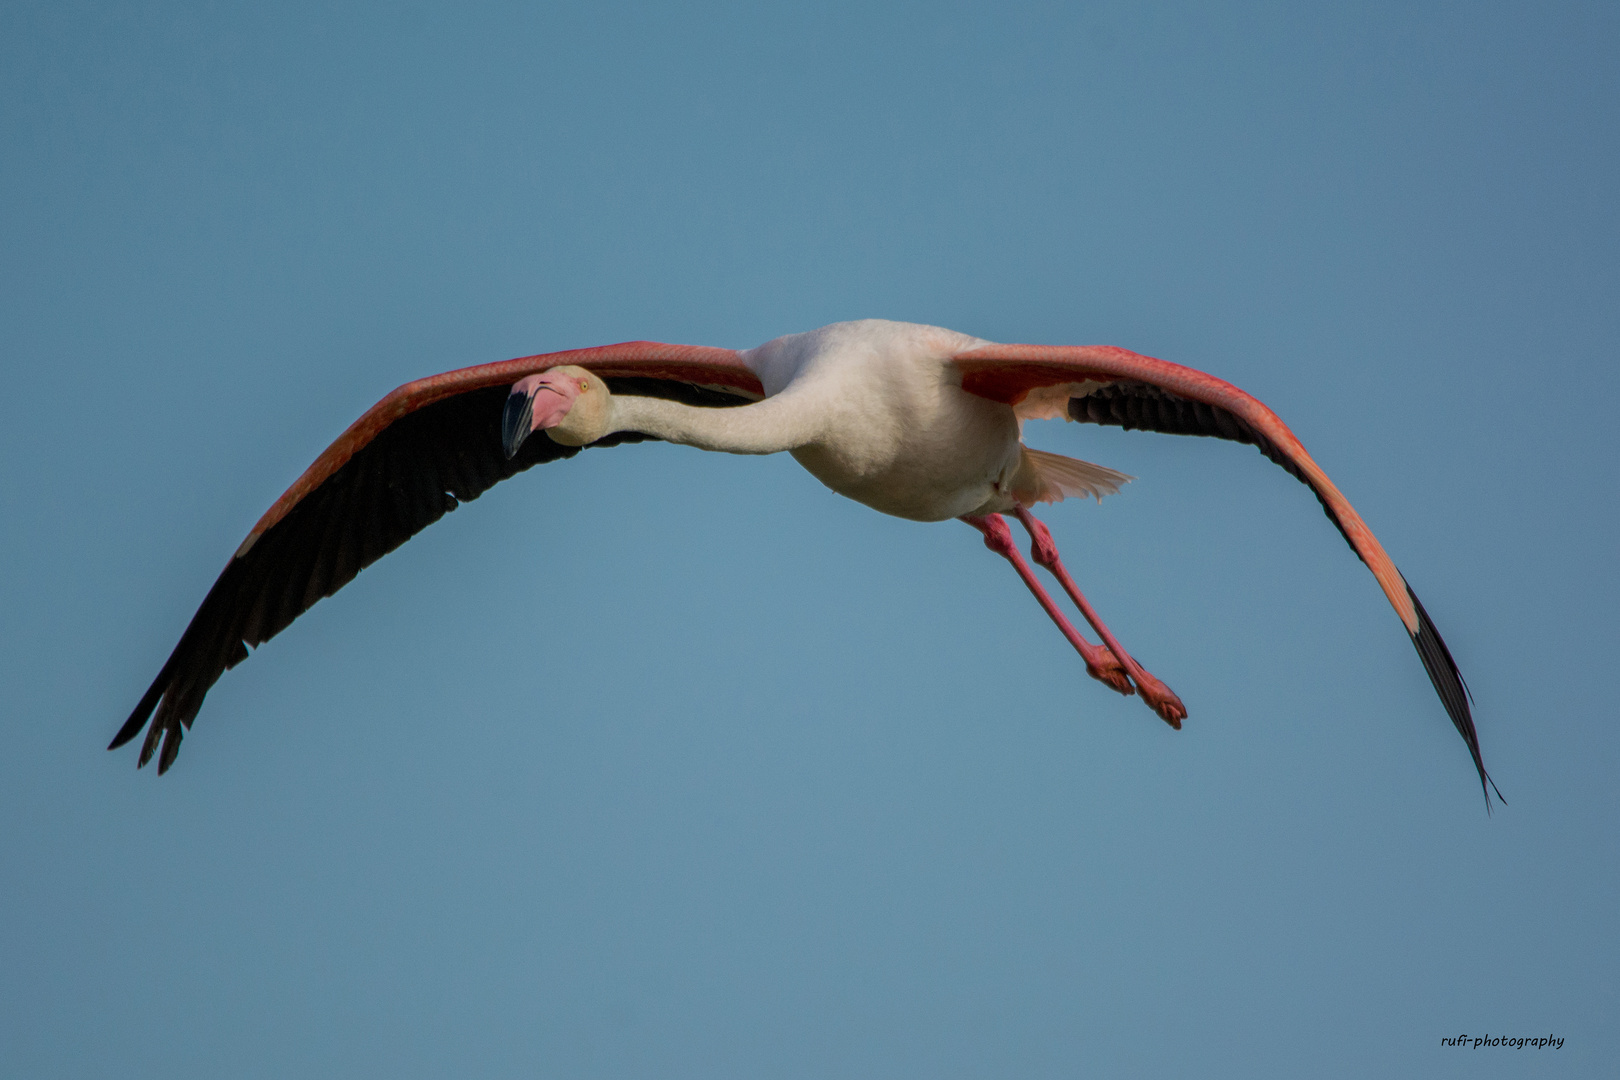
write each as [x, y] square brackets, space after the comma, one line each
[1100, 664]
[1159, 696]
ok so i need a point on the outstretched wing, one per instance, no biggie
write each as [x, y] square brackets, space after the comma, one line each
[1103, 385]
[412, 457]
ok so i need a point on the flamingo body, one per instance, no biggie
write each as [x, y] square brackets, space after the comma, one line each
[897, 431]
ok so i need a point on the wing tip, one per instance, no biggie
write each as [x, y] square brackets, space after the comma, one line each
[132, 727]
[143, 712]
[1454, 693]
[165, 714]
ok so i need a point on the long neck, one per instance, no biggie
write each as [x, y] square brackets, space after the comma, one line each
[764, 427]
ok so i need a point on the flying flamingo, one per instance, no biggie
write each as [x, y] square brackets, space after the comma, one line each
[915, 421]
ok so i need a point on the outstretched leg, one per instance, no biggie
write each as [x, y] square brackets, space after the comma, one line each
[1100, 664]
[1155, 693]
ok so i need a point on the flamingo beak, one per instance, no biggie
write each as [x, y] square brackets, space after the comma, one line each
[537, 402]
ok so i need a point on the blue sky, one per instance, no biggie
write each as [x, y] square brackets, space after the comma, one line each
[663, 763]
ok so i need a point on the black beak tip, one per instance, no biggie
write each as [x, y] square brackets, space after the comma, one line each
[515, 421]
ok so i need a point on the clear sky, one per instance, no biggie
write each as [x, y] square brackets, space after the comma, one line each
[664, 763]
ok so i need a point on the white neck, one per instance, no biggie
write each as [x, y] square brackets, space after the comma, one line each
[764, 427]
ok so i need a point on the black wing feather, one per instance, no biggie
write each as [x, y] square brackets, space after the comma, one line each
[1448, 683]
[1140, 406]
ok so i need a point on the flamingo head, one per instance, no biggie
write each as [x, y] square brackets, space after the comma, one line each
[568, 403]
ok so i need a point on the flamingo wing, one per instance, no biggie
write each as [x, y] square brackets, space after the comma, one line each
[414, 456]
[1105, 385]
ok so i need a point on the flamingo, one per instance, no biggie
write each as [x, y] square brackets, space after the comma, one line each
[915, 421]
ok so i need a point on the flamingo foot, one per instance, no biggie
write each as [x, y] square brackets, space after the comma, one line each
[1161, 699]
[1107, 670]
